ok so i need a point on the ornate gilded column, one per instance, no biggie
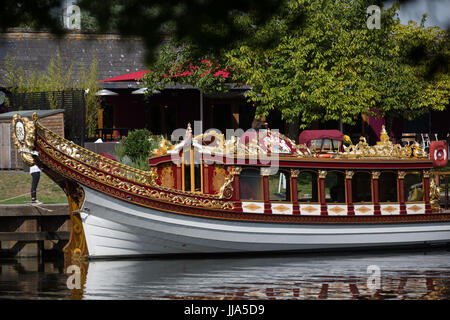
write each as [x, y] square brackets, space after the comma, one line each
[348, 192]
[265, 172]
[294, 191]
[376, 193]
[236, 172]
[322, 194]
[426, 190]
[401, 190]
[76, 248]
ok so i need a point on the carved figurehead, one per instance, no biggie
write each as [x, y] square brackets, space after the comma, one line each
[24, 136]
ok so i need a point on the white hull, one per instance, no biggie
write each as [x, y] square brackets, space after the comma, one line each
[116, 228]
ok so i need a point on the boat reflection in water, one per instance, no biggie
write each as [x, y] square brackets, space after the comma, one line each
[416, 275]
[401, 276]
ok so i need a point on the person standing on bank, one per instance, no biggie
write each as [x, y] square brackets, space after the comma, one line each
[35, 175]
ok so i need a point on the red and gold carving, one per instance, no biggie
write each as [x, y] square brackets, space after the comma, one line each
[167, 179]
[76, 249]
[218, 179]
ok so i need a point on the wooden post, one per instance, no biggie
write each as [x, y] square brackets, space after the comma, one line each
[322, 194]
[426, 190]
[183, 182]
[179, 177]
[294, 191]
[100, 122]
[348, 192]
[266, 192]
[192, 169]
[205, 178]
[376, 193]
[401, 191]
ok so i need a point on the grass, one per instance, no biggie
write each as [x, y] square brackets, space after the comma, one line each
[15, 189]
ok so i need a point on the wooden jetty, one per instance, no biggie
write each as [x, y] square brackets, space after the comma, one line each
[29, 230]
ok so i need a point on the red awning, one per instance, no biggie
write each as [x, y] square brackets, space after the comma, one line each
[133, 76]
[307, 135]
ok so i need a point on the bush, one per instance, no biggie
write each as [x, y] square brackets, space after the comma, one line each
[136, 148]
[137, 144]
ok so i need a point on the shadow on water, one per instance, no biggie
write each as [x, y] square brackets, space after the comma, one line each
[376, 275]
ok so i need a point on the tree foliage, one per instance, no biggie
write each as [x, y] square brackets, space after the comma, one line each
[58, 77]
[184, 64]
[135, 149]
[209, 25]
[333, 67]
[42, 14]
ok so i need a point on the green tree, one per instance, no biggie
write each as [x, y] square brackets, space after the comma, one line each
[331, 66]
[88, 81]
[135, 149]
[184, 64]
[58, 77]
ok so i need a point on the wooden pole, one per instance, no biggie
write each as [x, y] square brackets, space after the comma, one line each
[401, 191]
[183, 183]
[100, 122]
[294, 191]
[192, 167]
[322, 196]
[349, 192]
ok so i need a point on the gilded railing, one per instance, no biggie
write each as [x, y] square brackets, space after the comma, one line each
[93, 159]
[85, 159]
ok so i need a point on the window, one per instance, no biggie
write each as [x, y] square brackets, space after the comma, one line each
[279, 186]
[250, 184]
[387, 186]
[307, 186]
[413, 187]
[335, 186]
[325, 145]
[362, 187]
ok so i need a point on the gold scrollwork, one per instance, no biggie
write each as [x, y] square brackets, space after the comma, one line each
[426, 173]
[383, 149]
[235, 170]
[24, 136]
[435, 196]
[322, 174]
[226, 191]
[401, 174]
[215, 143]
[295, 173]
[167, 179]
[349, 174]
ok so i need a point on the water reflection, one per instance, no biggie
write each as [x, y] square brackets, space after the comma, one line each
[417, 275]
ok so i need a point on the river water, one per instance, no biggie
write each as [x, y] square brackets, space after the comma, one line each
[375, 275]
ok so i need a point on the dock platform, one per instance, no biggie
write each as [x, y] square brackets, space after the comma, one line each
[30, 230]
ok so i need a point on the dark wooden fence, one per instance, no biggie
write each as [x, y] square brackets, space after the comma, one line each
[72, 101]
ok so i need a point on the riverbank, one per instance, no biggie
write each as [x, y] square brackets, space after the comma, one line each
[15, 189]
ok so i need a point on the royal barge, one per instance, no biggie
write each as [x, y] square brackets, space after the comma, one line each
[260, 192]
